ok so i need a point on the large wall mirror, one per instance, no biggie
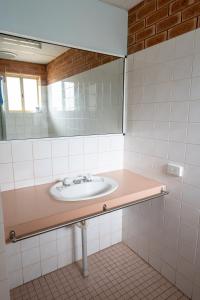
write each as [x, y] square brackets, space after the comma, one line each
[48, 90]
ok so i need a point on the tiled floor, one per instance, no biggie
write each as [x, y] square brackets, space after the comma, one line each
[115, 273]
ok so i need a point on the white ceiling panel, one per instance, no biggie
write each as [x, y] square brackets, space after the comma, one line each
[126, 4]
[28, 51]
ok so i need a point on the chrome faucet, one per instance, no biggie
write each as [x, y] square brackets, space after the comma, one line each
[66, 182]
[81, 179]
[87, 178]
[77, 181]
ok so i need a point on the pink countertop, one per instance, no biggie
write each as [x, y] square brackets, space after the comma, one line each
[31, 210]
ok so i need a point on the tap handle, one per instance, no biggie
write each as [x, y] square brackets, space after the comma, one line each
[66, 181]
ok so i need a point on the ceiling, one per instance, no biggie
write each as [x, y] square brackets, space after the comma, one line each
[126, 4]
[28, 51]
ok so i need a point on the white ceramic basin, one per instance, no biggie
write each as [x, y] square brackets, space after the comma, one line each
[97, 187]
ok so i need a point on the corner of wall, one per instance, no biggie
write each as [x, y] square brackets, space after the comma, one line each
[4, 284]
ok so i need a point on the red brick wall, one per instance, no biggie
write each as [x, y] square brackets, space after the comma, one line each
[25, 68]
[154, 21]
[71, 62]
[75, 61]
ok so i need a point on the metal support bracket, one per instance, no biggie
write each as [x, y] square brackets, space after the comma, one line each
[12, 236]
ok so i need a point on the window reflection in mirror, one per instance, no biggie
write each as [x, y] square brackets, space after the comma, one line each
[22, 93]
[50, 91]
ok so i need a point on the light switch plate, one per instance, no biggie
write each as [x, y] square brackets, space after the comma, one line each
[175, 170]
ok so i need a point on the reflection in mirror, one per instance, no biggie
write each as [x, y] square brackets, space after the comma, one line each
[50, 91]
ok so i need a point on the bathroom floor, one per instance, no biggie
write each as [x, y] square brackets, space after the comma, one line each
[115, 273]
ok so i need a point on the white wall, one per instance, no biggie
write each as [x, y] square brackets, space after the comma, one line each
[88, 24]
[163, 125]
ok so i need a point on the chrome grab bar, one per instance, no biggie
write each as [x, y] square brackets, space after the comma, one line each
[105, 210]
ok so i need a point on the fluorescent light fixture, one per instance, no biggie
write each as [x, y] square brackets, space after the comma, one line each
[7, 54]
[20, 42]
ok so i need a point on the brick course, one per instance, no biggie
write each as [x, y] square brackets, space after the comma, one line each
[71, 62]
[75, 61]
[192, 11]
[154, 21]
[136, 47]
[179, 5]
[157, 16]
[183, 28]
[144, 34]
[158, 38]
[24, 68]
[168, 22]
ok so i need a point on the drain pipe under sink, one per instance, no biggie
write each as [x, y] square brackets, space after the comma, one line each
[83, 226]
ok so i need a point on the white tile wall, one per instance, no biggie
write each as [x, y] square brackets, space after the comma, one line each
[42, 254]
[19, 153]
[23, 125]
[31, 162]
[86, 117]
[163, 124]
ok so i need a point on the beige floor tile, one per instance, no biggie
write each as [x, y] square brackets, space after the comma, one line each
[115, 273]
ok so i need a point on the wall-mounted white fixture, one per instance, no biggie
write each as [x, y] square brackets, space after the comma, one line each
[175, 170]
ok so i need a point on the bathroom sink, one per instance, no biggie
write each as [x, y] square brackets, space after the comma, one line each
[83, 188]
